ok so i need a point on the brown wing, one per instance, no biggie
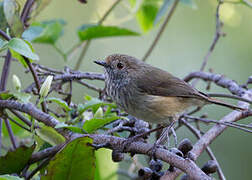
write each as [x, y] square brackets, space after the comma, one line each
[162, 83]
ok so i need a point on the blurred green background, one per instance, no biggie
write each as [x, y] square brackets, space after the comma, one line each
[181, 49]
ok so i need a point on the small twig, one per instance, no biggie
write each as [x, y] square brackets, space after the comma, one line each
[26, 11]
[218, 34]
[167, 19]
[10, 132]
[89, 86]
[5, 71]
[218, 122]
[51, 151]
[17, 123]
[4, 35]
[39, 66]
[40, 166]
[22, 118]
[36, 80]
[3, 82]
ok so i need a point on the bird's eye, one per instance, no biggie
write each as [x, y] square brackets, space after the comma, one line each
[119, 65]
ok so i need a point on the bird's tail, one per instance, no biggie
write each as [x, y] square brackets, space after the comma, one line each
[218, 102]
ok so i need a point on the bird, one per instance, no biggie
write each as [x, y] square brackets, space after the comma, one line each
[150, 93]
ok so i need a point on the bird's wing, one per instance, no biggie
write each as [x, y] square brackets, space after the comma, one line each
[161, 83]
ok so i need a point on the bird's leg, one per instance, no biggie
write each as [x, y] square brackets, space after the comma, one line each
[136, 137]
[163, 137]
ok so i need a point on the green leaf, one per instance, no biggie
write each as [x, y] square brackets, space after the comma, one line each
[23, 97]
[21, 47]
[147, 13]
[2, 44]
[5, 95]
[96, 123]
[32, 32]
[14, 161]
[93, 104]
[18, 57]
[9, 177]
[76, 161]
[74, 129]
[87, 32]
[49, 135]
[106, 169]
[46, 32]
[60, 102]
[11, 12]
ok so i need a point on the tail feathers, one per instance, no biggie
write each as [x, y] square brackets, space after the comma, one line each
[218, 102]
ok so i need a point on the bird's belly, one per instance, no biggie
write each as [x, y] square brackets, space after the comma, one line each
[157, 109]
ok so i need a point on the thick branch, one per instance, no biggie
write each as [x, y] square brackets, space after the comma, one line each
[31, 110]
[186, 165]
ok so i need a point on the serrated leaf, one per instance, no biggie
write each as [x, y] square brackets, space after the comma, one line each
[21, 47]
[76, 161]
[46, 32]
[9, 177]
[49, 135]
[87, 32]
[60, 102]
[14, 161]
[11, 12]
[96, 123]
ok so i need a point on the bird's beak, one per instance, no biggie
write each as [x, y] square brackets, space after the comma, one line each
[101, 63]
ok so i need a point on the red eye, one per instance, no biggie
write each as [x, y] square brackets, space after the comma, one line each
[119, 65]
